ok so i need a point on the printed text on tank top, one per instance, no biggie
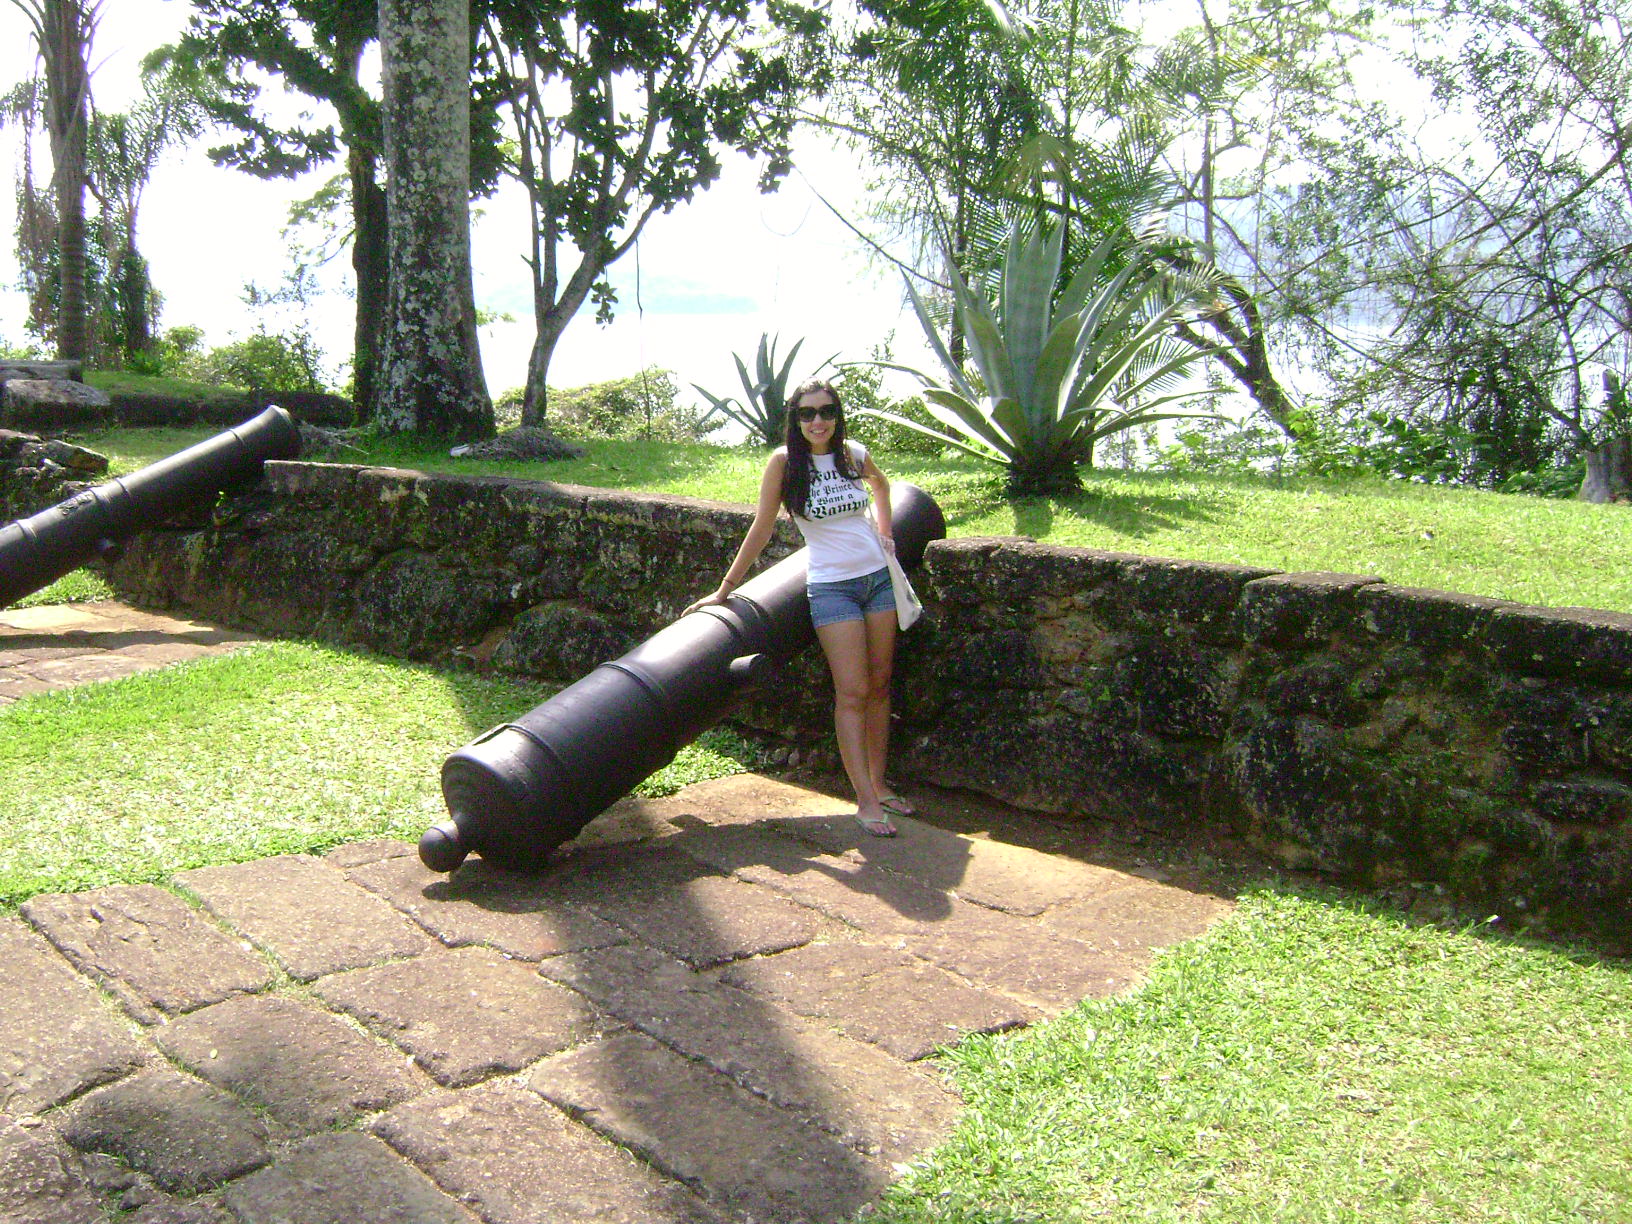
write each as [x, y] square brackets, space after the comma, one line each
[831, 493]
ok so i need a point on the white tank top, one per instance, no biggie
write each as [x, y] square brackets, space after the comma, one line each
[842, 540]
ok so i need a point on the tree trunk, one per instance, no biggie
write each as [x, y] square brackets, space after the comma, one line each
[551, 324]
[67, 30]
[1609, 472]
[1245, 352]
[429, 378]
[535, 403]
[371, 265]
[551, 319]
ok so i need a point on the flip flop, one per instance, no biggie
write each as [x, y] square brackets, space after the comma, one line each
[877, 828]
[895, 805]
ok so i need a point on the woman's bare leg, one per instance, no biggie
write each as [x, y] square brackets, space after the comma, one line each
[845, 644]
[880, 667]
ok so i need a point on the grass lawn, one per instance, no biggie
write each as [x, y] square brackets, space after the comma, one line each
[1313, 1058]
[277, 748]
[1530, 549]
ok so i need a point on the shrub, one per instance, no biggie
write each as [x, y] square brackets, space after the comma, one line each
[1055, 367]
[1218, 444]
[261, 361]
[172, 355]
[641, 406]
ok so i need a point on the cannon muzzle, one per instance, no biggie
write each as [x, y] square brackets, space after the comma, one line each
[34, 552]
[520, 790]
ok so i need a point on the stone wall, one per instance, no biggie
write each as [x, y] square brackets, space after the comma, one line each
[50, 397]
[36, 472]
[1379, 733]
[1374, 732]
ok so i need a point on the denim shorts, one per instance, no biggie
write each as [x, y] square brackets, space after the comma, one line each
[850, 598]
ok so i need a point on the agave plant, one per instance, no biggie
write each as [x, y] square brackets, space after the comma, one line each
[763, 411]
[1055, 370]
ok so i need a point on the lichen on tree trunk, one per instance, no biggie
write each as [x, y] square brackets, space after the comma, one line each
[429, 378]
[1609, 471]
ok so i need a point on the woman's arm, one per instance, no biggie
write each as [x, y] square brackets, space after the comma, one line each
[759, 532]
[880, 485]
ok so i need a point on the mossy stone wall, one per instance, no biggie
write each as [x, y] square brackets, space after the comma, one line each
[1374, 732]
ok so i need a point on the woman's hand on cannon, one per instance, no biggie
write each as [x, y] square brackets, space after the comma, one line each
[717, 596]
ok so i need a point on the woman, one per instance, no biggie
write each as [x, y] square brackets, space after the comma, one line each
[824, 482]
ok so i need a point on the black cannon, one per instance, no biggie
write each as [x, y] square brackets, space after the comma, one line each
[36, 551]
[517, 792]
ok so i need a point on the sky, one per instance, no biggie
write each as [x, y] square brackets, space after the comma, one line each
[713, 276]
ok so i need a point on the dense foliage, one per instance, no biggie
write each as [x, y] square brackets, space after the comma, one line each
[1414, 217]
[642, 406]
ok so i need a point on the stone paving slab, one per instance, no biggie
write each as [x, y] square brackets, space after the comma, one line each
[991, 873]
[14, 685]
[479, 904]
[1045, 968]
[348, 1178]
[1036, 965]
[465, 1015]
[306, 1067]
[1003, 877]
[711, 919]
[1137, 917]
[705, 1130]
[51, 618]
[516, 1159]
[195, 1211]
[872, 1101]
[851, 890]
[85, 669]
[40, 1182]
[671, 901]
[37, 651]
[57, 1037]
[154, 653]
[879, 994]
[185, 1135]
[306, 914]
[148, 947]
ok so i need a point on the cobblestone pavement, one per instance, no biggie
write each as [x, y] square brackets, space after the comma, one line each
[716, 1006]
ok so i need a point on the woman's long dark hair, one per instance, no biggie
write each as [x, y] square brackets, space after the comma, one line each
[796, 476]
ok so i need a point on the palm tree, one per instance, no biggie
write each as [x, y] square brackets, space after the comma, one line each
[64, 30]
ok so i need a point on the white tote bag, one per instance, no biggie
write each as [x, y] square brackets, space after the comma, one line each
[907, 607]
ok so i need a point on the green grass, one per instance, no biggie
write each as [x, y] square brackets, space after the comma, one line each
[78, 586]
[1533, 550]
[1310, 1060]
[130, 449]
[276, 748]
[121, 382]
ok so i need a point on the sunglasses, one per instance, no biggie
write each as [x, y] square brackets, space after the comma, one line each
[828, 412]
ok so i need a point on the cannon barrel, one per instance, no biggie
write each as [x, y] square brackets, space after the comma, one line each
[520, 790]
[36, 551]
